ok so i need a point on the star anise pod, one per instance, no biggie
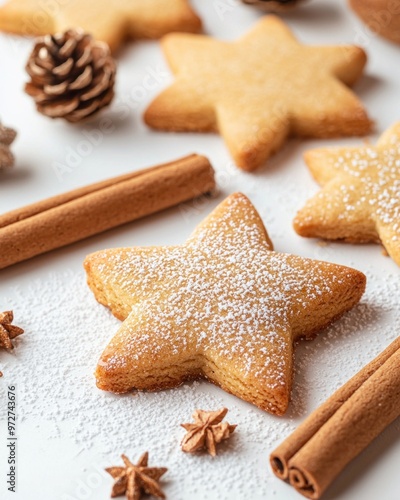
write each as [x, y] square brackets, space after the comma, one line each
[135, 480]
[8, 332]
[207, 431]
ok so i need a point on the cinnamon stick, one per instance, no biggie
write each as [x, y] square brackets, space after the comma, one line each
[336, 432]
[84, 212]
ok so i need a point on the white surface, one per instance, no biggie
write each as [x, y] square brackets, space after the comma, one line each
[56, 405]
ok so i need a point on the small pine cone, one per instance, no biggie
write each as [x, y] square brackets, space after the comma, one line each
[72, 75]
[7, 136]
[273, 5]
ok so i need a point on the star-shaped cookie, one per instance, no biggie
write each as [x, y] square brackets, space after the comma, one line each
[360, 198]
[223, 306]
[111, 22]
[259, 90]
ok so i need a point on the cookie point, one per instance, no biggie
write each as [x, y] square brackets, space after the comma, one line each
[108, 376]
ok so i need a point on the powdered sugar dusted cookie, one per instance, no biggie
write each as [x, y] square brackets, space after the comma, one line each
[110, 22]
[223, 306]
[360, 199]
[260, 90]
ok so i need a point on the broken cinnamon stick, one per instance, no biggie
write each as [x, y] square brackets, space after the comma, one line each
[336, 432]
[84, 212]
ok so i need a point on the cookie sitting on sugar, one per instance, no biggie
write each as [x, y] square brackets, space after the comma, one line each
[110, 22]
[223, 306]
[259, 90]
[360, 198]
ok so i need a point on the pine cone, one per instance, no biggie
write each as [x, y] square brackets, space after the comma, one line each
[7, 136]
[273, 5]
[72, 75]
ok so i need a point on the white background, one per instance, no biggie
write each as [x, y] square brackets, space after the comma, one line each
[52, 468]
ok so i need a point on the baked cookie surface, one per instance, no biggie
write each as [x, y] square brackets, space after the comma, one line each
[110, 22]
[360, 198]
[259, 90]
[222, 306]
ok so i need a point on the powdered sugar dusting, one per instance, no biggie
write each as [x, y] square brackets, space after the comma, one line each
[224, 295]
[370, 186]
[53, 369]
